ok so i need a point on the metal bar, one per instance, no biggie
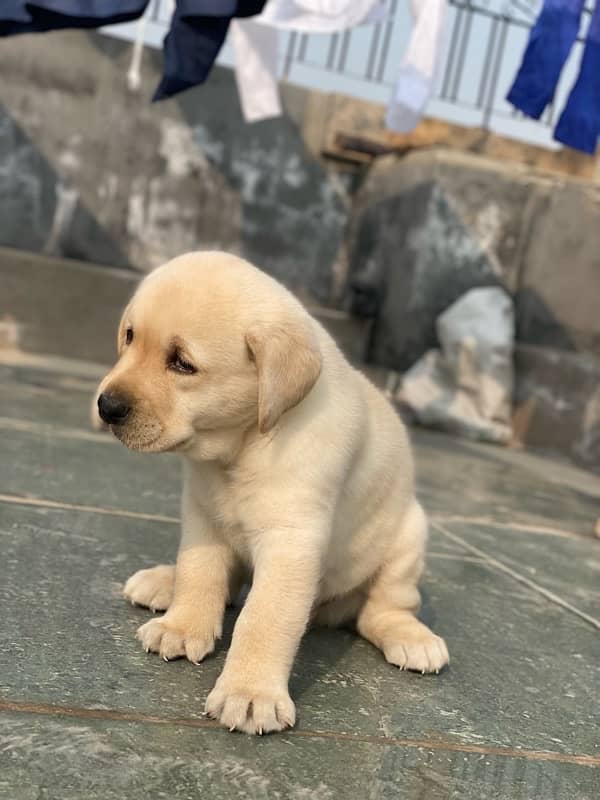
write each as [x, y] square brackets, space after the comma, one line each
[389, 28]
[529, 11]
[344, 51]
[462, 53]
[375, 37]
[448, 73]
[289, 55]
[488, 62]
[493, 15]
[302, 48]
[495, 74]
[332, 48]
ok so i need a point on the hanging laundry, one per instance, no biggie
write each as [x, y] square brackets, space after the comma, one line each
[321, 16]
[418, 70]
[548, 48]
[255, 43]
[550, 43]
[256, 61]
[198, 29]
[255, 48]
[579, 123]
[19, 16]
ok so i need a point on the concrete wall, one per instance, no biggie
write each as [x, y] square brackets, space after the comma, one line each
[91, 171]
[428, 226]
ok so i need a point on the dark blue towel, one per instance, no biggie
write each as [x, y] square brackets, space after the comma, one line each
[549, 45]
[197, 32]
[18, 16]
[579, 123]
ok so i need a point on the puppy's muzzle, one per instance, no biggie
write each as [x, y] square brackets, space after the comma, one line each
[113, 408]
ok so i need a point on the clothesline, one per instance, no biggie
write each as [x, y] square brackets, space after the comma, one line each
[199, 28]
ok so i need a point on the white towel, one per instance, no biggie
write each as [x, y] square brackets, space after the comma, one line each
[255, 47]
[418, 69]
[255, 43]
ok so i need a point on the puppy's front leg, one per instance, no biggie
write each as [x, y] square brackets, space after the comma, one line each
[205, 564]
[251, 693]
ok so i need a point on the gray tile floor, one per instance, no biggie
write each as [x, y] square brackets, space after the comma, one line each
[513, 583]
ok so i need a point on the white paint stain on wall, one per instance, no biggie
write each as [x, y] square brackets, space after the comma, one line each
[179, 149]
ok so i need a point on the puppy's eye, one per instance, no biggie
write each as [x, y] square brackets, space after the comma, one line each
[178, 363]
[129, 336]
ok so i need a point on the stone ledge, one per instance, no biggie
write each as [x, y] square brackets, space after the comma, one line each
[70, 308]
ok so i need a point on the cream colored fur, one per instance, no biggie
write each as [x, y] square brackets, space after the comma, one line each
[297, 472]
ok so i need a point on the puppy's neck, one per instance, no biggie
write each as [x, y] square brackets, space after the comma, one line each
[223, 446]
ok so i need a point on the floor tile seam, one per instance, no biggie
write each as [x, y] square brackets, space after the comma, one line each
[41, 502]
[500, 566]
[114, 715]
[523, 527]
[48, 429]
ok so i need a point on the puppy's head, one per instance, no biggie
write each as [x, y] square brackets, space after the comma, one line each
[208, 343]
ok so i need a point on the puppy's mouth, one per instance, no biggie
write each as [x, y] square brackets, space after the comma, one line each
[149, 440]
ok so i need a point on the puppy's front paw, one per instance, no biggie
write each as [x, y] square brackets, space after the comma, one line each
[151, 588]
[174, 636]
[250, 708]
[417, 649]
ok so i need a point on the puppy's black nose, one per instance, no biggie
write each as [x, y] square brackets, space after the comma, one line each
[113, 408]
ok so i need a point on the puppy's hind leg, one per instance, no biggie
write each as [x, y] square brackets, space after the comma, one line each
[388, 618]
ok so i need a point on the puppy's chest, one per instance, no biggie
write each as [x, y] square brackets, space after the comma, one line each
[231, 509]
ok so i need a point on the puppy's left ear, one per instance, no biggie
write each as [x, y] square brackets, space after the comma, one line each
[288, 362]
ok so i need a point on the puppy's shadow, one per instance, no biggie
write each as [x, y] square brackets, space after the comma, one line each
[321, 649]
[427, 613]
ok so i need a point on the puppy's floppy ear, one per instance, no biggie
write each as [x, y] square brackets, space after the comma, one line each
[288, 362]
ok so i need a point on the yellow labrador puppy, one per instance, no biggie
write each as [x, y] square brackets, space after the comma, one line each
[296, 471]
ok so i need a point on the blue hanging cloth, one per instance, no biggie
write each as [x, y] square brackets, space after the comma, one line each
[579, 123]
[17, 16]
[549, 45]
[198, 29]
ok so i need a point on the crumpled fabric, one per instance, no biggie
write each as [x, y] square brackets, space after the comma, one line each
[198, 29]
[466, 386]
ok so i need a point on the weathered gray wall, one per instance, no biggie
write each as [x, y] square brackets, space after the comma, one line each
[429, 226]
[89, 170]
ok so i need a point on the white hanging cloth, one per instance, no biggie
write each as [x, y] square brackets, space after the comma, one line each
[418, 69]
[255, 47]
[255, 43]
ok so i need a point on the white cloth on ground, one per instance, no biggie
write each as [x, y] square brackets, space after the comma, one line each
[466, 387]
